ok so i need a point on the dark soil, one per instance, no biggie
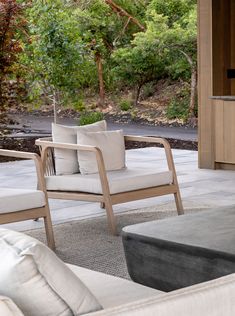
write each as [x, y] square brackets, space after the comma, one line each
[28, 145]
[18, 144]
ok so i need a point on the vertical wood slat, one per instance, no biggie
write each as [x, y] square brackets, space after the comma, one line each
[224, 131]
[206, 124]
[219, 126]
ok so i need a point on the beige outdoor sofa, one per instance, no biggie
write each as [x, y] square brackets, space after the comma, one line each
[112, 187]
[112, 295]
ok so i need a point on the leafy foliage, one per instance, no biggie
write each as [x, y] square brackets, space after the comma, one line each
[125, 105]
[174, 10]
[12, 25]
[56, 55]
[178, 107]
[110, 44]
[90, 117]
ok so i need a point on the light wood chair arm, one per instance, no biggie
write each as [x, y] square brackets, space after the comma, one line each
[148, 139]
[49, 144]
[31, 156]
[157, 140]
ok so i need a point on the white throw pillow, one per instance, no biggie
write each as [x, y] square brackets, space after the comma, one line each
[66, 160]
[112, 146]
[8, 308]
[38, 281]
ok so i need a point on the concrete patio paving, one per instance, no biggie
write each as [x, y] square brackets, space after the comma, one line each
[199, 188]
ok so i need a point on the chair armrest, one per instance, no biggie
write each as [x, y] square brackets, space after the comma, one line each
[49, 144]
[18, 154]
[147, 139]
[31, 156]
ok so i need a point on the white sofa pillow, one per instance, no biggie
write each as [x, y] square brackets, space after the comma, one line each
[38, 281]
[66, 160]
[112, 146]
[8, 308]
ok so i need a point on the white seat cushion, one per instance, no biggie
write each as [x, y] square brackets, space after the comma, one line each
[112, 291]
[125, 180]
[13, 200]
[8, 307]
[38, 281]
[213, 298]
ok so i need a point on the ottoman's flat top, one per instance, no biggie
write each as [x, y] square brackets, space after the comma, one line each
[213, 229]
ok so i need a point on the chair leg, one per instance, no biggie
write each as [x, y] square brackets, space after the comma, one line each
[178, 202]
[110, 215]
[49, 230]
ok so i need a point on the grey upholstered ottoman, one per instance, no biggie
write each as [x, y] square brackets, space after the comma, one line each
[180, 251]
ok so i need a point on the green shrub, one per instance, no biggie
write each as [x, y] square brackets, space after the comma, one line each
[148, 90]
[91, 117]
[125, 105]
[79, 105]
[178, 108]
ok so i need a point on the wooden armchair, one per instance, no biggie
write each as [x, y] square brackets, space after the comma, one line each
[113, 187]
[23, 204]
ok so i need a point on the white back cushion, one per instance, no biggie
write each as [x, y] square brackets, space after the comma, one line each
[8, 308]
[38, 281]
[66, 160]
[112, 146]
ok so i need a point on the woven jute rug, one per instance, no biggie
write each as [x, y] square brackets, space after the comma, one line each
[89, 244]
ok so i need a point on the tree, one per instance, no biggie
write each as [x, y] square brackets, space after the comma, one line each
[180, 38]
[168, 47]
[56, 55]
[143, 61]
[183, 45]
[12, 24]
[105, 25]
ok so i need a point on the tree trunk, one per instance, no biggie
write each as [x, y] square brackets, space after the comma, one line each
[55, 102]
[138, 93]
[99, 65]
[193, 84]
[1, 97]
[193, 92]
[119, 10]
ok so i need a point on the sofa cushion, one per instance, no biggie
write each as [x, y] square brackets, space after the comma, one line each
[8, 308]
[13, 200]
[66, 160]
[213, 298]
[112, 146]
[38, 281]
[125, 180]
[112, 291]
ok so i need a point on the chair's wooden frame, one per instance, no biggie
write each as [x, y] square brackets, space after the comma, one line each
[106, 199]
[34, 213]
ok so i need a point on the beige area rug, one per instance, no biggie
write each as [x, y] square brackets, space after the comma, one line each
[88, 243]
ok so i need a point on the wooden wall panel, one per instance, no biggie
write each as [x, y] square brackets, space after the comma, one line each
[219, 130]
[224, 131]
[206, 123]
